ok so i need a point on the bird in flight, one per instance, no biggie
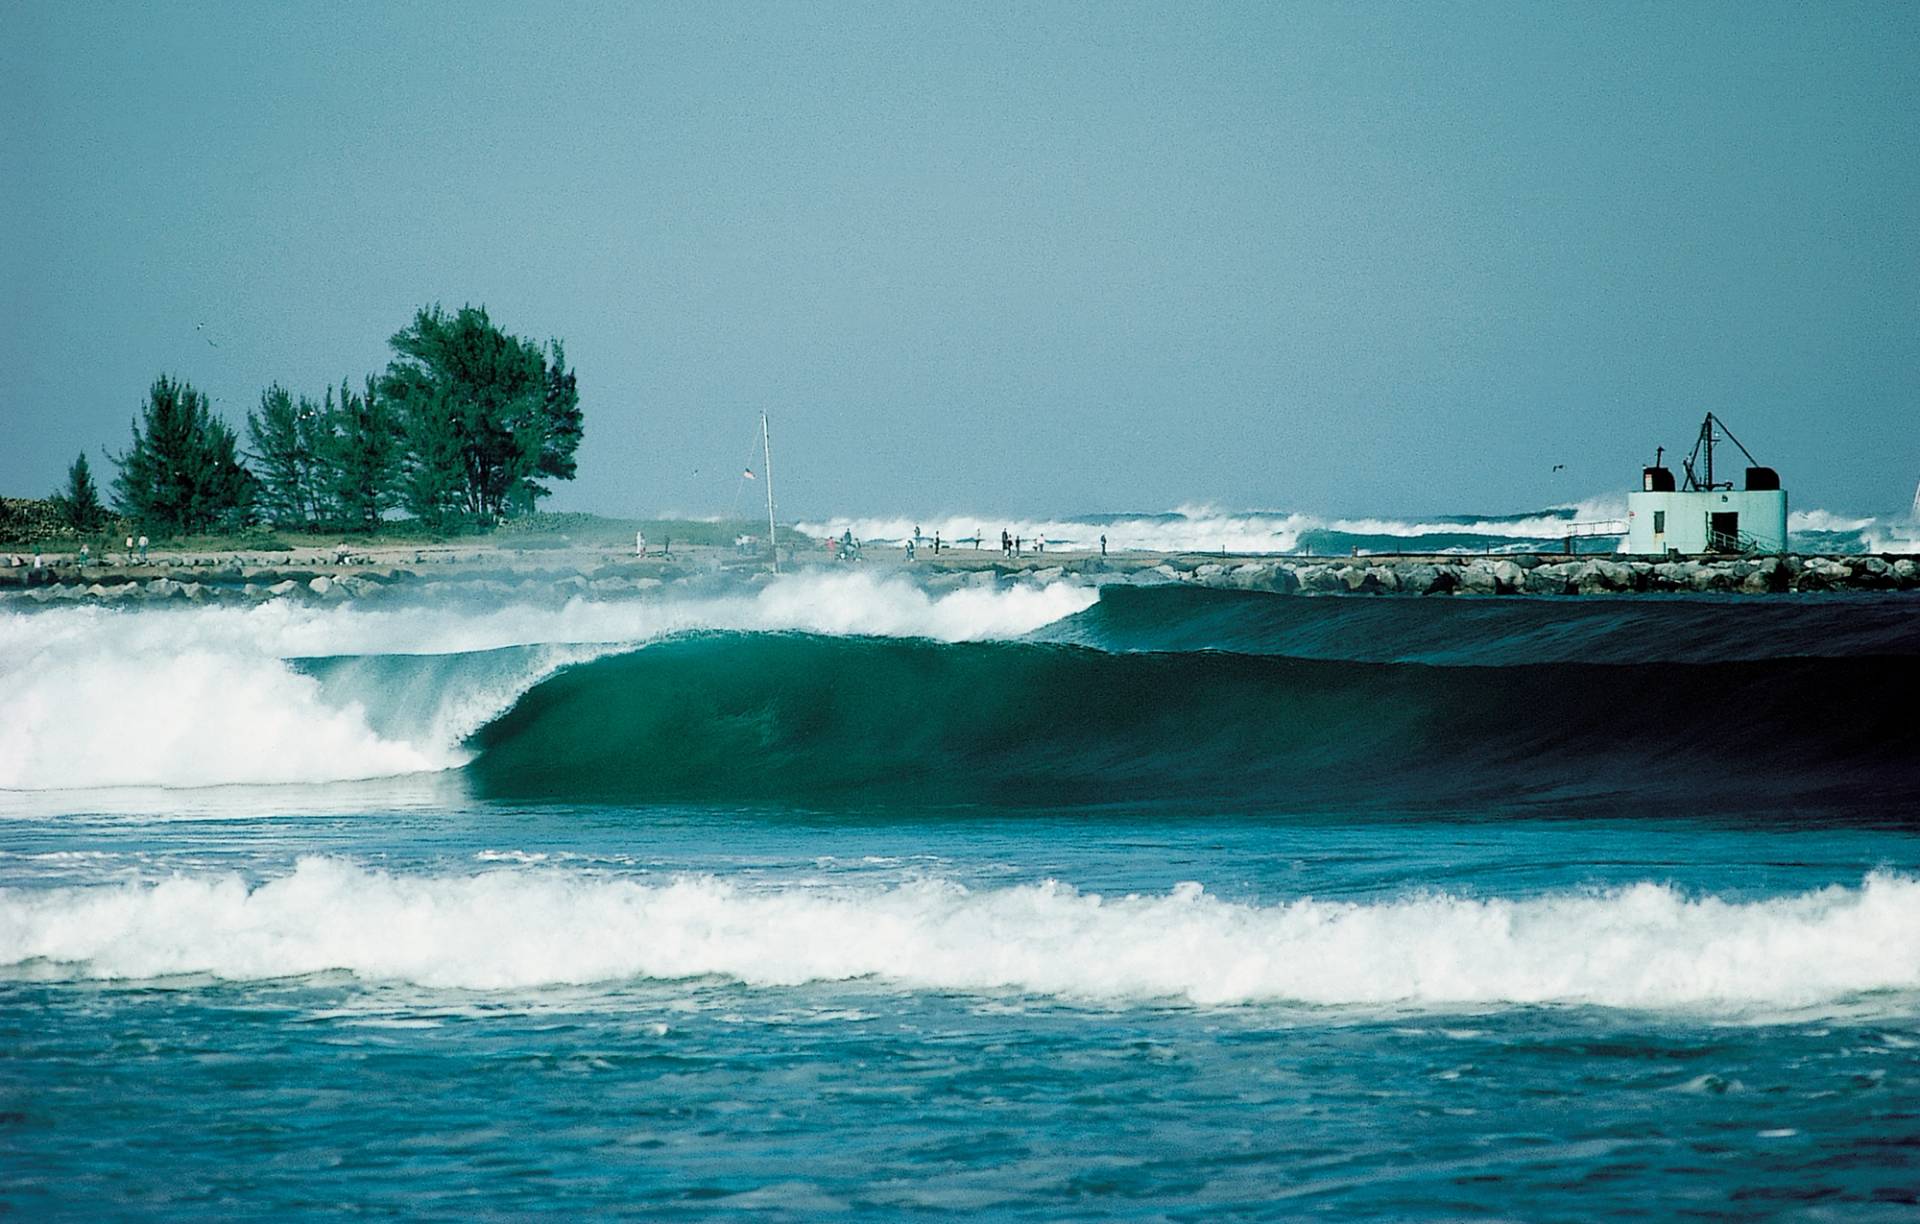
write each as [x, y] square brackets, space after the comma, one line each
[202, 329]
[1559, 467]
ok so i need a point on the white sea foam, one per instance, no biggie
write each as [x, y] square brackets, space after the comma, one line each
[1826, 521]
[1644, 946]
[1191, 529]
[1203, 529]
[101, 697]
[196, 717]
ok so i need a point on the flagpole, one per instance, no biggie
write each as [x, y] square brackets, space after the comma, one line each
[773, 540]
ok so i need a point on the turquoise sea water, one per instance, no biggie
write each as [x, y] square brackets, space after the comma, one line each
[845, 898]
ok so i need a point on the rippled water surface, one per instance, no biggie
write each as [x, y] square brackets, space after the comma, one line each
[1164, 906]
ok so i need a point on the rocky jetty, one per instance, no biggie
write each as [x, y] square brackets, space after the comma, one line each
[1547, 574]
[324, 583]
[1456, 574]
[559, 580]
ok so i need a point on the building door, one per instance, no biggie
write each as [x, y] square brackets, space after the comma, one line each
[1723, 532]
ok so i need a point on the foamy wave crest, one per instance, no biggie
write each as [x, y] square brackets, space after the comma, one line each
[192, 718]
[1827, 521]
[1824, 531]
[1644, 946]
[204, 696]
[1195, 529]
[812, 602]
[1201, 529]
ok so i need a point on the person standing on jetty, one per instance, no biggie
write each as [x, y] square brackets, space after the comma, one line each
[1103, 543]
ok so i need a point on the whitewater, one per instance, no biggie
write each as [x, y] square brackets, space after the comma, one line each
[1647, 946]
[209, 696]
[1598, 522]
[838, 892]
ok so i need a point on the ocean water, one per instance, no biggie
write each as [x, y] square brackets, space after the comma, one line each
[1595, 525]
[833, 896]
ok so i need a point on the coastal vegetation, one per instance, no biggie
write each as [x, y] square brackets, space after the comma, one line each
[31, 524]
[326, 463]
[486, 417]
[183, 472]
[463, 431]
[79, 504]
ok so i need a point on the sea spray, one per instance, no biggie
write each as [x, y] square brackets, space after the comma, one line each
[193, 717]
[210, 696]
[1210, 529]
[1642, 946]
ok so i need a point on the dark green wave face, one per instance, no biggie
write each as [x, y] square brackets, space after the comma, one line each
[865, 721]
[1494, 632]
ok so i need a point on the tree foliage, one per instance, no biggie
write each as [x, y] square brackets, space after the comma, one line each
[182, 473]
[289, 444]
[467, 425]
[326, 463]
[364, 454]
[485, 415]
[78, 501]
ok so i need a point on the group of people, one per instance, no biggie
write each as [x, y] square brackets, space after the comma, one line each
[844, 548]
[1013, 546]
[84, 557]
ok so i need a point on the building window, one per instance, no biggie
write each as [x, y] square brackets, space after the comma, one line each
[1659, 521]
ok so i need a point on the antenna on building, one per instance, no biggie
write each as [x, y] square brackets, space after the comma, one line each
[1704, 443]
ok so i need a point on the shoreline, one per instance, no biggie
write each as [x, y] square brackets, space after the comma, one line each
[605, 571]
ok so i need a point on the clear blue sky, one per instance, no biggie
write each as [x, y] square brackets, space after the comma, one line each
[1379, 258]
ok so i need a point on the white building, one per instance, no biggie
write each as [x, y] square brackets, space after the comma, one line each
[1705, 515]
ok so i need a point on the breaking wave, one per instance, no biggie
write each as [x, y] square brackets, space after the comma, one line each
[1207, 529]
[1204, 529]
[1644, 946]
[283, 692]
[841, 689]
[807, 719]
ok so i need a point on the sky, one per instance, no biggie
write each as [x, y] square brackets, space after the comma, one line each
[1046, 258]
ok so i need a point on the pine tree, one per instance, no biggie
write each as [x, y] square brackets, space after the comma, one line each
[433, 475]
[183, 471]
[79, 501]
[290, 443]
[365, 452]
[485, 414]
[564, 422]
